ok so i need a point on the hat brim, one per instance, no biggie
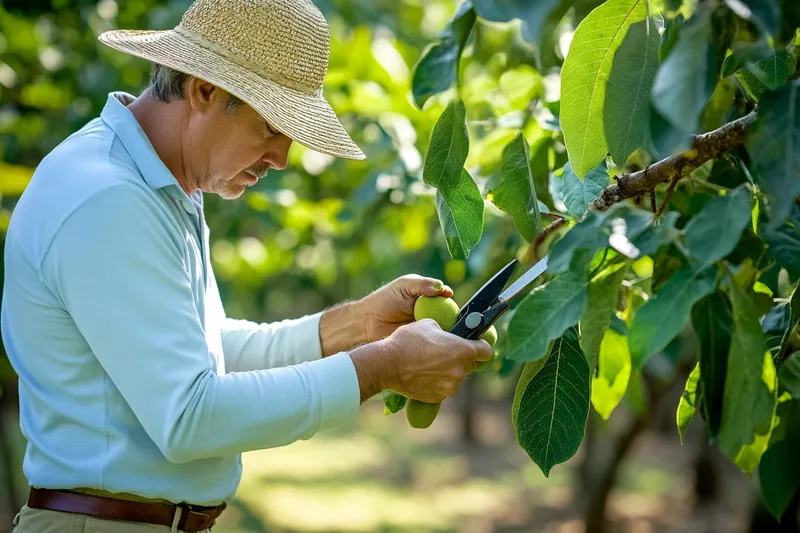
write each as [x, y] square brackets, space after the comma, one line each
[306, 119]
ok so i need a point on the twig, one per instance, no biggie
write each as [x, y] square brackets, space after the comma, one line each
[653, 200]
[704, 147]
[667, 196]
[554, 215]
[530, 254]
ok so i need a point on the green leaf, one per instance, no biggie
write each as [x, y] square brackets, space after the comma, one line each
[529, 371]
[460, 212]
[660, 319]
[748, 402]
[579, 194]
[789, 375]
[581, 242]
[551, 419]
[602, 302]
[777, 473]
[613, 373]
[714, 232]
[713, 323]
[784, 243]
[458, 201]
[545, 314]
[517, 192]
[437, 69]
[774, 143]
[534, 15]
[448, 148]
[687, 79]
[393, 402]
[605, 83]
[688, 402]
[773, 71]
[575, 249]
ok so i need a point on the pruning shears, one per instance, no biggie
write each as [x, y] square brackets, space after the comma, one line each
[489, 303]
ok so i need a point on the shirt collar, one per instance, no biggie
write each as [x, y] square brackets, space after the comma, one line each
[119, 118]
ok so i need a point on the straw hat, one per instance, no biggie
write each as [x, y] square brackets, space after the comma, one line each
[272, 54]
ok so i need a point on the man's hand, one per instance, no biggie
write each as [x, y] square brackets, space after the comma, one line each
[392, 305]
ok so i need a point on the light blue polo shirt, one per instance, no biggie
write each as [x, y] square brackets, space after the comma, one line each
[131, 377]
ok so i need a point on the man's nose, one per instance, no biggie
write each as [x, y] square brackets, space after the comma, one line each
[278, 153]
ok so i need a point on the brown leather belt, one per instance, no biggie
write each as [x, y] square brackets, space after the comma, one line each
[193, 518]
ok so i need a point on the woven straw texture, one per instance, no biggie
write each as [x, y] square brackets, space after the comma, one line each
[272, 54]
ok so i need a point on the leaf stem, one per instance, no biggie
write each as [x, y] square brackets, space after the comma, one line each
[530, 254]
[667, 196]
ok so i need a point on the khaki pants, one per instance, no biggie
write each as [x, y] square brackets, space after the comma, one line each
[45, 521]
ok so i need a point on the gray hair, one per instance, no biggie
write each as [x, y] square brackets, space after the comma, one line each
[167, 83]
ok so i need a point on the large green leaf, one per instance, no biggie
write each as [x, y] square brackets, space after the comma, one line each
[784, 243]
[714, 232]
[460, 212]
[578, 246]
[448, 148]
[770, 72]
[534, 15]
[686, 80]
[605, 83]
[580, 193]
[458, 201]
[517, 192]
[774, 143]
[579, 243]
[713, 323]
[437, 69]
[778, 475]
[552, 414]
[794, 319]
[545, 314]
[613, 373]
[602, 302]
[748, 402]
[659, 320]
[393, 402]
[687, 406]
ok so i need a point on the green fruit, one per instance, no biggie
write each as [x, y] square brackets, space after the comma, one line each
[490, 336]
[443, 310]
[420, 414]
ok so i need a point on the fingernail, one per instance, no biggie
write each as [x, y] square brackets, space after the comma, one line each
[437, 286]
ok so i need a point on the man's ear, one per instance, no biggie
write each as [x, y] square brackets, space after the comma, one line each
[201, 94]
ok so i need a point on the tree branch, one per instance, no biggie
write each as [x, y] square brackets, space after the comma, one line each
[704, 147]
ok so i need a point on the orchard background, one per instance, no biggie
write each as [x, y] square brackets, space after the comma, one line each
[651, 150]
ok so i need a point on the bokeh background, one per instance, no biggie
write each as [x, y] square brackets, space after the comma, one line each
[323, 231]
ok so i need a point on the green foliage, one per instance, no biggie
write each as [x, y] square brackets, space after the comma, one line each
[687, 406]
[554, 405]
[606, 82]
[437, 70]
[517, 192]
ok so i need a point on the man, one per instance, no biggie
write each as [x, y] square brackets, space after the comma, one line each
[137, 393]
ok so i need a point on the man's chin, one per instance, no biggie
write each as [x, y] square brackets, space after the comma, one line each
[232, 192]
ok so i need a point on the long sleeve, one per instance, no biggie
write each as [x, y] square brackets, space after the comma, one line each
[119, 267]
[250, 345]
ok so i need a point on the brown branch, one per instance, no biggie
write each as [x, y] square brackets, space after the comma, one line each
[704, 147]
[653, 200]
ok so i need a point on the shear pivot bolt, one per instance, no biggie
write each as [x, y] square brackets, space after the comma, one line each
[473, 320]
